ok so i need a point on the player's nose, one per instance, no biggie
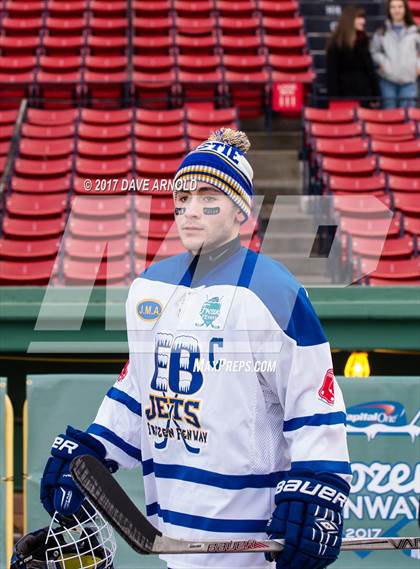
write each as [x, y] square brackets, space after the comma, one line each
[193, 208]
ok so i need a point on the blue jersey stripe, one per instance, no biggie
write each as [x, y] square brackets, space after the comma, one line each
[209, 478]
[125, 399]
[340, 466]
[206, 524]
[110, 436]
[316, 420]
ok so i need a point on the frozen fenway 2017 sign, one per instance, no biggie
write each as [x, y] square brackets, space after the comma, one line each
[383, 424]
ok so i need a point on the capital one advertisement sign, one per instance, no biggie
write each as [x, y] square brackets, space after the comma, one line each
[383, 426]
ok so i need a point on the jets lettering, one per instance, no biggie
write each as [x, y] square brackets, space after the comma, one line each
[162, 407]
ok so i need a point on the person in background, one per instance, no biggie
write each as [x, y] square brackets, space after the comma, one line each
[396, 52]
[350, 69]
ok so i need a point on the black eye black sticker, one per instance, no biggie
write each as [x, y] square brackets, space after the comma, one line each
[179, 210]
[211, 210]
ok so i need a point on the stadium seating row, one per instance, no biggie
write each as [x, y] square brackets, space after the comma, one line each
[355, 155]
[243, 47]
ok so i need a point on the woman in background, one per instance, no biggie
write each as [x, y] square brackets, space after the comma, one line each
[396, 51]
[350, 69]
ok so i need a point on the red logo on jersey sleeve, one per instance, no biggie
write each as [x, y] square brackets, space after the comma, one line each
[124, 371]
[326, 392]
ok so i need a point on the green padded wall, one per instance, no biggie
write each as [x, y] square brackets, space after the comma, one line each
[55, 401]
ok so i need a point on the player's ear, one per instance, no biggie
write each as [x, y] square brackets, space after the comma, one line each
[239, 215]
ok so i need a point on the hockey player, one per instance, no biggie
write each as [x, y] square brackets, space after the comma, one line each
[228, 400]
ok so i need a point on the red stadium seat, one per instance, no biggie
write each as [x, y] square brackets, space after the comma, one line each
[16, 250]
[240, 45]
[243, 9]
[199, 133]
[291, 64]
[158, 63]
[109, 26]
[113, 9]
[56, 45]
[21, 9]
[284, 45]
[152, 45]
[104, 134]
[397, 248]
[40, 186]
[154, 90]
[408, 167]
[159, 133]
[156, 168]
[164, 117]
[343, 147]
[165, 150]
[47, 117]
[391, 132]
[28, 205]
[67, 9]
[362, 204]
[201, 63]
[355, 167]
[107, 116]
[195, 26]
[200, 45]
[156, 206]
[285, 26]
[6, 132]
[202, 9]
[387, 116]
[84, 272]
[408, 203]
[33, 273]
[48, 132]
[330, 116]
[100, 207]
[152, 26]
[414, 114]
[375, 184]
[107, 45]
[103, 168]
[279, 9]
[404, 184]
[216, 117]
[371, 227]
[201, 86]
[394, 270]
[239, 26]
[18, 46]
[33, 228]
[100, 229]
[4, 148]
[21, 26]
[66, 26]
[320, 130]
[96, 249]
[42, 168]
[89, 149]
[412, 225]
[40, 149]
[406, 149]
[248, 91]
[156, 9]
[401, 282]
[8, 117]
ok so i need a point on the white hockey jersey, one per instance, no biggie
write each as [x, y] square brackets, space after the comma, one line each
[229, 382]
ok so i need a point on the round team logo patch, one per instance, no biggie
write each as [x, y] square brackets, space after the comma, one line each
[149, 309]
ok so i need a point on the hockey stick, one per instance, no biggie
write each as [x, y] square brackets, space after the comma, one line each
[98, 484]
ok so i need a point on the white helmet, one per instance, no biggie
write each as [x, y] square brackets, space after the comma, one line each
[84, 541]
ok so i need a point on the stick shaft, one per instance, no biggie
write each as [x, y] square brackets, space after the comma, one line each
[166, 545]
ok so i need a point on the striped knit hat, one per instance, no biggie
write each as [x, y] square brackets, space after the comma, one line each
[220, 161]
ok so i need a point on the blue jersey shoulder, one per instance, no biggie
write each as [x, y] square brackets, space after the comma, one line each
[171, 270]
[285, 298]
